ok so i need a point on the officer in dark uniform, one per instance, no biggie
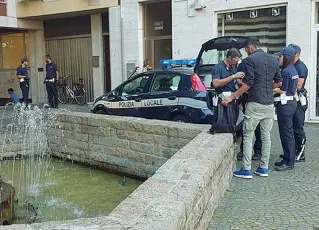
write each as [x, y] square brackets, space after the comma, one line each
[302, 106]
[243, 101]
[23, 76]
[52, 76]
[286, 107]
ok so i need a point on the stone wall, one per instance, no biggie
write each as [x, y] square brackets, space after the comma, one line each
[129, 145]
[181, 195]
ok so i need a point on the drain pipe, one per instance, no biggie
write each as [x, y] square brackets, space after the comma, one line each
[122, 43]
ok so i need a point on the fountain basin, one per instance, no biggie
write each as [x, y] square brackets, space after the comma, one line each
[7, 194]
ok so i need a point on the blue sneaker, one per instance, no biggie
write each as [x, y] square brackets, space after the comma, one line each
[246, 174]
[263, 172]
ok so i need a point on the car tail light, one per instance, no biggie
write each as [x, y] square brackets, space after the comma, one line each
[197, 83]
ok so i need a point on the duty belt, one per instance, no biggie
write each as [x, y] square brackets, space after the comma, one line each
[50, 80]
[283, 99]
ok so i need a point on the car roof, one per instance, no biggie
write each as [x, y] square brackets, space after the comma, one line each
[177, 70]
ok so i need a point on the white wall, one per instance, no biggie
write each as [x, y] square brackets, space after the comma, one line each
[97, 50]
[115, 31]
[10, 20]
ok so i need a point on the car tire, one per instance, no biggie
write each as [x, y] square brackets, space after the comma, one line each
[181, 119]
[100, 111]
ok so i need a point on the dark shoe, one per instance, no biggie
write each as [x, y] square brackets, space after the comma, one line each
[240, 156]
[256, 157]
[301, 159]
[280, 163]
[284, 167]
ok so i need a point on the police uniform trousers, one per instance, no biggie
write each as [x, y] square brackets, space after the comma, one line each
[285, 117]
[299, 122]
[52, 94]
[24, 86]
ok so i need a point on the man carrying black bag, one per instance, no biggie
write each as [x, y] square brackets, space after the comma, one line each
[225, 78]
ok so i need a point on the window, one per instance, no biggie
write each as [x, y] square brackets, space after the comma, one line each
[269, 25]
[13, 48]
[165, 82]
[135, 86]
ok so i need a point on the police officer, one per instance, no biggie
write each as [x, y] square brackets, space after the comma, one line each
[23, 76]
[225, 76]
[286, 107]
[302, 106]
[52, 76]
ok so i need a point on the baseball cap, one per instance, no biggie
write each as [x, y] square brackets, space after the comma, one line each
[24, 60]
[287, 51]
[296, 47]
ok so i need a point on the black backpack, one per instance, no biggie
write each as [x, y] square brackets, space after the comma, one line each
[225, 118]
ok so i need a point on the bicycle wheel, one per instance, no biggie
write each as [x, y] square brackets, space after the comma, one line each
[63, 95]
[80, 97]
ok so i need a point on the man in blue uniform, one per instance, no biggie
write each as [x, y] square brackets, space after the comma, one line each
[13, 97]
[52, 76]
[23, 76]
[302, 105]
[225, 73]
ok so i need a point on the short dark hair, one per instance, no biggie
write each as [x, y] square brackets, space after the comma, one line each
[253, 41]
[233, 53]
[48, 56]
[10, 90]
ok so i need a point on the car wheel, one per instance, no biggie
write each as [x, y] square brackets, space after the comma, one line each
[181, 119]
[100, 111]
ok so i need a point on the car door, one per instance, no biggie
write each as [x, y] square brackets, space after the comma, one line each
[162, 97]
[126, 101]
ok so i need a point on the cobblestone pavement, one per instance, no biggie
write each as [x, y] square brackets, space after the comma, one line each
[284, 200]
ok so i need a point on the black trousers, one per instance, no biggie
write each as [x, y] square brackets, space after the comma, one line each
[285, 116]
[24, 86]
[52, 94]
[299, 122]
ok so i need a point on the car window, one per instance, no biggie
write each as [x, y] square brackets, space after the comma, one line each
[136, 86]
[165, 82]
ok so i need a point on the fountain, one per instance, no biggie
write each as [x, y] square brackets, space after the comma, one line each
[39, 188]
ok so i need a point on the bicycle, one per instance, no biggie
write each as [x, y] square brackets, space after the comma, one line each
[68, 95]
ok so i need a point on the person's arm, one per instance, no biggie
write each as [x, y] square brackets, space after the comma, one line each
[248, 82]
[277, 78]
[303, 74]
[217, 82]
[19, 76]
[56, 72]
[284, 86]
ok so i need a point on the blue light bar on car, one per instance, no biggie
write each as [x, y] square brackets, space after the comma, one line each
[172, 63]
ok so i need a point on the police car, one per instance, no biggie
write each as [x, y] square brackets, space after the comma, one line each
[180, 91]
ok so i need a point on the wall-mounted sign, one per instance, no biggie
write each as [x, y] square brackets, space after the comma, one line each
[96, 61]
[159, 25]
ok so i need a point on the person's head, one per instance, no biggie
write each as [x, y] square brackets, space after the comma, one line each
[10, 91]
[146, 63]
[286, 56]
[252, 45]
[47, 58]
[24, 61]
[297, 51]
[233, 57]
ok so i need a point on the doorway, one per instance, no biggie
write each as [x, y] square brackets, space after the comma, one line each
[157, 32]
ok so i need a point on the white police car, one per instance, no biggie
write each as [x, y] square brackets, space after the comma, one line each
[174, 93]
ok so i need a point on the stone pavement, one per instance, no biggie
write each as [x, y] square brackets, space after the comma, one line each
[284, 200]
